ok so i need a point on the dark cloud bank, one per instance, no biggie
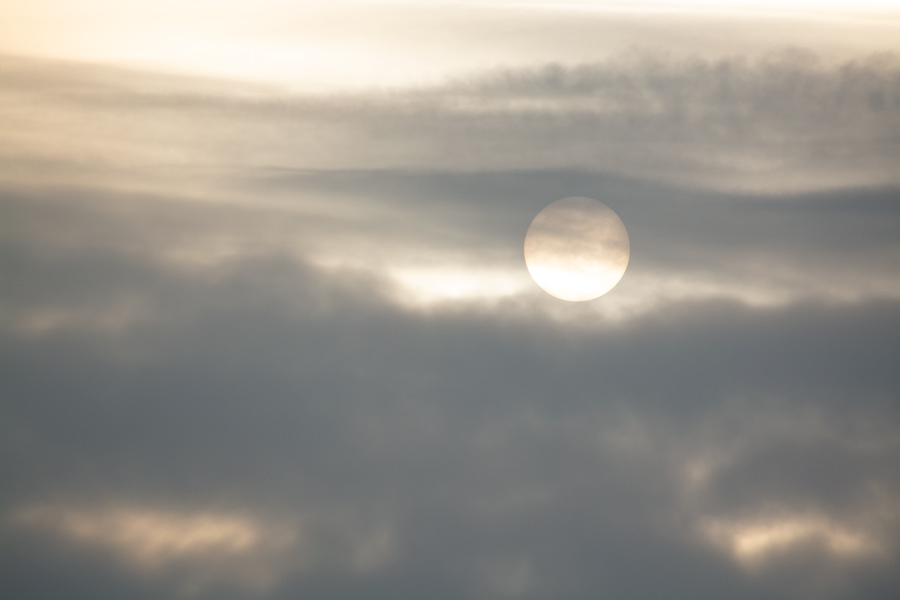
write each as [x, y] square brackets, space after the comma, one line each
[192, 406]
[467, 451]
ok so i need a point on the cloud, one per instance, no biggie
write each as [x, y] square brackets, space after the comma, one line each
[788, 121]
[310, 45]
[433, 241]
[226, 373]
[204, 551]
[479, 449]
[753, 543]
[217, 547]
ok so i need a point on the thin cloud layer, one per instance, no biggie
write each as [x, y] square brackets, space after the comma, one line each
[355, 44]
[434, 241]
[790, 121]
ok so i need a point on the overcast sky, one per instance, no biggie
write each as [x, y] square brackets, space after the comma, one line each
[266, 329]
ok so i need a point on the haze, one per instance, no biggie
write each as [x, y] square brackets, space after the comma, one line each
[266, 330]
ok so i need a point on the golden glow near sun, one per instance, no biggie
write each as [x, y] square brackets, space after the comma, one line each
[577, 249]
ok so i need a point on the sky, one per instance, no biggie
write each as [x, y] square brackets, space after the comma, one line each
[267, 331]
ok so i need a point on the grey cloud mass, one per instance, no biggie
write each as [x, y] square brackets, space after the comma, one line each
[256, 344]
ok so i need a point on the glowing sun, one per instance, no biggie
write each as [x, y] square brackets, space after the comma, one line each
[577, 249]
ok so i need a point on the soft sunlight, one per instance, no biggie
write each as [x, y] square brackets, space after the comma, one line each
[425, 286]
[754, 543]
[326, 46]
[149, 537]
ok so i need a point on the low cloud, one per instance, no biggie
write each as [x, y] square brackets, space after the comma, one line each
[329, 440]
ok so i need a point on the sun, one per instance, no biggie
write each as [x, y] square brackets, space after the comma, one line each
[577, 249]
